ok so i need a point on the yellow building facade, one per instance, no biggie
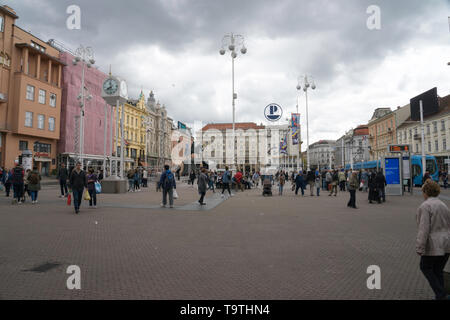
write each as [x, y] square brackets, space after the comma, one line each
[134, 131]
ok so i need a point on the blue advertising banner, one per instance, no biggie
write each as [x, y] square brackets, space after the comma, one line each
[392, 169]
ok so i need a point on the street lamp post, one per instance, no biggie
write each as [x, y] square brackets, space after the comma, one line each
[86, 56]
[306, 85]
[234, 41]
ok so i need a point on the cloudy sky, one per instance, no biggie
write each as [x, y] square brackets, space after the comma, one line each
[172, 47]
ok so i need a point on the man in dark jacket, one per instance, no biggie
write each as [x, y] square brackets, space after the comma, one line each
[202, 182]
[299, 183]
[380, 180]
[77, 182]
[62, 176]
[373, 191]
[18, 176]
[168, 184]
[310, 179]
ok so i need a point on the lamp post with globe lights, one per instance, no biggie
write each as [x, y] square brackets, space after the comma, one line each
[233, 42]
[308, 82]
[85, 55]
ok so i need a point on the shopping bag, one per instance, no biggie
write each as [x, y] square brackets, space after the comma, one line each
[98, 188]
[175, 194]
[69, 199]
[361, 185]
[87, 197]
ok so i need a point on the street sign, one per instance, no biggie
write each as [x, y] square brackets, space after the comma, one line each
[398, 148]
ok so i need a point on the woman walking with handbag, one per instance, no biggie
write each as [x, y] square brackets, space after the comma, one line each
[78, 182]
[34, 184]
[91, 180]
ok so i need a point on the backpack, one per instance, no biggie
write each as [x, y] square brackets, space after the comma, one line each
[168, 181]
[17, 175]
[34, 178]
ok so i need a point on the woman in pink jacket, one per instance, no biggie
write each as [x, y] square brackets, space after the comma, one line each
[433, 237]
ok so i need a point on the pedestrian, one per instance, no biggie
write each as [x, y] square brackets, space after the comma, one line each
[62, 177]
[299, 183]
[91, 180]
[281, 183]
[226, 179]
[130, 176]
[178, 173]
[318, 182]
[255, 179]
[167, 183]
[328, 179]
[158, 178]
[202, 183]
[18, 176]
[342, 179]
[352, 186]
[433, 238]
[334, 183]
[238, 179]
[136, 185]
[26, 191]
[145, 178]
[445, 179]
[381, 184]
[34, 184]
[310, 180]
[373, 191]
[364, 180]
[192, 177]
[77, 182]
[6, 179]
[426, 177]
[211, 179]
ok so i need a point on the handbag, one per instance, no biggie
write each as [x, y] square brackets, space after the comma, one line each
[98, 187]
[87, 197]
[175, 194]
[69, 199]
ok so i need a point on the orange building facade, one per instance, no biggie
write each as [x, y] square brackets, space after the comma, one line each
[30, 96]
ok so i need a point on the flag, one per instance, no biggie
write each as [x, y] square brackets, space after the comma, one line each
[295, 125]
[283, 145]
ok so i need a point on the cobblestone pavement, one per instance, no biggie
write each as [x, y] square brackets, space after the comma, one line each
[244, 247]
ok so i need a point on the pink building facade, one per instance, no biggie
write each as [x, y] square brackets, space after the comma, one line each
[94, 116]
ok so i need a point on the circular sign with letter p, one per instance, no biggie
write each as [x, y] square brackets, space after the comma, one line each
[273, 112]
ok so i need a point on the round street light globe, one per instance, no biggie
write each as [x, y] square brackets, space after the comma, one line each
[313, 86]
[298, 87]
[222, 52]
[231, 47]
[233, 54]
[244, 50]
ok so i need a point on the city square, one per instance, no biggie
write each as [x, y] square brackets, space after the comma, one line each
[218, 150]
[246, 247]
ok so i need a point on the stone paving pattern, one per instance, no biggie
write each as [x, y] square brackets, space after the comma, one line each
[246, 247]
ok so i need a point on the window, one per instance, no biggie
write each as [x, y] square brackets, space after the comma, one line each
[30, 93]
[128, 119]
[410, 133]
[28, 119]
[429, 146]
[52, 100]
[404, 134]
[415, 131]
[428, 129]
[436, 145]
[442, 125]
[41, 96]
[136, 122]
[417, 147]
[41, 120]
[42, 147]
[444, 144]
[23, 145]
[2, 22]
[51, 124]
[434, 126]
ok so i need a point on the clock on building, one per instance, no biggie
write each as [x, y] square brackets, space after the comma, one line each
[114, 90]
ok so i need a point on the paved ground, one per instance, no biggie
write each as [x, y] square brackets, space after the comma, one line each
[244, 247]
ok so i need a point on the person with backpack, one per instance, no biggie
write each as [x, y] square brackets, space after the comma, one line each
[18, 175]
[77, 183]
[318, 182]
[168, 184]
[202, 183]
[136, 179]
[62, 176]
[226, 179]
[310, 180]
[342, 179]
[328, 179]
[34, 184]
[300, 183]
[91, 180]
